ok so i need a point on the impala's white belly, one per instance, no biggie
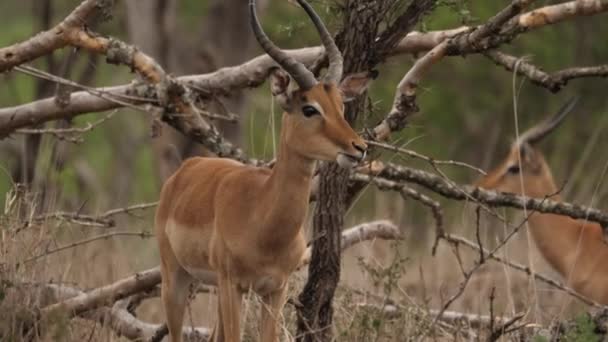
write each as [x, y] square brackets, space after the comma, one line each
[191, 248]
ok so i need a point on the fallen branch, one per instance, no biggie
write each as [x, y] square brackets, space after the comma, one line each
[148, 279]
[120, 320]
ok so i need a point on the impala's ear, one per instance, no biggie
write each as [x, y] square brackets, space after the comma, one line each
[529, 157]
[279, 86]
[355, 84]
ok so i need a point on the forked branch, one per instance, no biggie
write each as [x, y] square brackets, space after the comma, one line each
[553, 81]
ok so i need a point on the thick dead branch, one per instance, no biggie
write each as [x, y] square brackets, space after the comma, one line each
[560, 12]
[181, 111]
[404, 104]
[509, 30]
[447, 189]
[120, 320]
[221, 82]
[382, 229]
[553, 81]
[254, 72]
[46, 42]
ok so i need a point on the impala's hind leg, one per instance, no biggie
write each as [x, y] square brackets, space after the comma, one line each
[174, 292]
[229, 310]
[272, 305]
[218, 330]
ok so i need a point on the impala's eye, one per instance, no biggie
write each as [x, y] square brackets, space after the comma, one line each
[513, 169]
[309, 111]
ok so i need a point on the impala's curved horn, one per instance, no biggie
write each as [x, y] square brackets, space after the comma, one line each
[541, 130]
[303, 77]
[334, 72]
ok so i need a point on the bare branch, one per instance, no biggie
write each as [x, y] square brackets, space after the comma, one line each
[434, 162]
[102, 220]
[560, 12]
[441, 186]
[383, 229]
[53, 39]
[254, 72]
[524, 22]
[404, 103]
[554, 81]
[142, 234]
[525, 269]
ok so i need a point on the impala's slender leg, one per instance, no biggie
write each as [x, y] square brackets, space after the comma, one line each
[271, 314]
[218, 331]
[229, 309]
[174, 293]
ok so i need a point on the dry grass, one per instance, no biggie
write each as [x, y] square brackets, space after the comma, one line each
[374, 272]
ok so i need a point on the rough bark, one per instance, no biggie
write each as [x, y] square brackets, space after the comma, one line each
[362, 20]
[43, 10]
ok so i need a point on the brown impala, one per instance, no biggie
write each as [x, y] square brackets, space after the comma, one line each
[241, 226]
[574, 248]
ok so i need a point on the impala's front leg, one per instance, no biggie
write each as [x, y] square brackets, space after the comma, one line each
[272, 315]
[229, 307]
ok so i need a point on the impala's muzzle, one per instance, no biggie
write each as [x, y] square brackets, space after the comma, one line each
[352, 159]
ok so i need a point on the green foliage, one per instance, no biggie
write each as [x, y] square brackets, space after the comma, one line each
[582, 331]
[539, 338]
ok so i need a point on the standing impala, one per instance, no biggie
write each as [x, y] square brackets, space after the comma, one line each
[574, 248]
[241, 226]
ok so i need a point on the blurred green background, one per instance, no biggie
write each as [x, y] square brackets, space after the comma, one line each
[467, 103]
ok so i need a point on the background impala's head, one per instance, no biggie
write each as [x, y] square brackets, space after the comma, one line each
[313, 123]
[525, 170]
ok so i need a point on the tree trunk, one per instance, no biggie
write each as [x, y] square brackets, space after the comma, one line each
[362, 52]
[315, 312]
[43, 10]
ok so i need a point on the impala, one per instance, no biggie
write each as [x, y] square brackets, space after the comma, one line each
[241, 226]
[574, 248]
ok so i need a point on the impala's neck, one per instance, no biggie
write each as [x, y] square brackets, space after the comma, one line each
[287, 195]
[555, 236]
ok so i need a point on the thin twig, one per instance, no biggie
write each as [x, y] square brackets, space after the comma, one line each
[142, 234]
[428, 159]
[103, 220]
